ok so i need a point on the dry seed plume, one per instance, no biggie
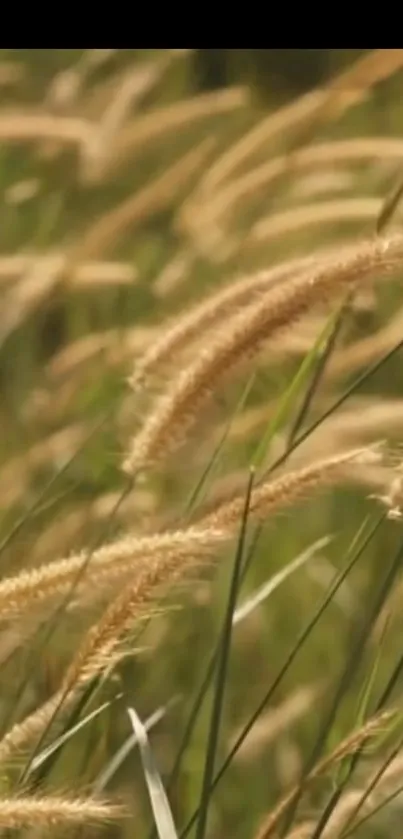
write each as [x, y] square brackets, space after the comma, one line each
[341, 92]
[159, 123]
[358, 803]
[22, 126]
[100, 647]
[32, 588]
[302, 831]
[129, 90]
[178, 408]
[172, 550]
[205, 221]
[351, 744]
[99, 650]
[274, 723]
[210, 312]
[23, 812]
[317, 213]
[277, 494]
[153, 197]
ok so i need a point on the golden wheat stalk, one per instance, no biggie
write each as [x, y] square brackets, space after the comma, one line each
[277, 494]
[305, 830]
[21, 126]
[344, 90]
[128, 90]
[94, 101]
[351, 744]
[359, 802]
[152, 198]
[317, 213]
[204, 220]
[159, 123]
[205, 315]
[12, 266]
[112, 344]
[33, 588]
[99, 651]
[178, 408]
[54, 811]
[158, 572]
[274, 723]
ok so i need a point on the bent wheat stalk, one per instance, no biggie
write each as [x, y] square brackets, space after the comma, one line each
[317, 213]
[152, 198]
[271, 495]
[100, 647]
[218, 207]
[32, 589]
[345, 89]
[160, 122]
[210, 312]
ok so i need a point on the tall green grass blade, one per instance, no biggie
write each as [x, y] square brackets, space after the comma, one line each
[356, 385]
[71, 721]
[64, 738]
[287, 401]
[345, 680]
[363, 712]
[221, 671]
[58, 612]
[304, 635]
[214, 460]
[114, 764]
[49, 486]
[319, 369]
[264, 591]
[383, 699]
[244, 610]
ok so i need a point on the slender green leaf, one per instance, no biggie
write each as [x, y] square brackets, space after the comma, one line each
[221, 673]
[163, 817]
[114, 764]
[291, 393]
[304, 635]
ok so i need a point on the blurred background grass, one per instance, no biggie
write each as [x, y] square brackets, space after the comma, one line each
[72, 202]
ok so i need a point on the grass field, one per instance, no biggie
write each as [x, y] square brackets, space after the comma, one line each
[201, 480]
